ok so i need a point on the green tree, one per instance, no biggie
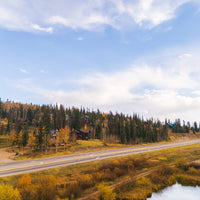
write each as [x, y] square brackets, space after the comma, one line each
[76, 119]
[128, 130]
[122, 130]
[21, 110]
[46, 126]
[30, 116]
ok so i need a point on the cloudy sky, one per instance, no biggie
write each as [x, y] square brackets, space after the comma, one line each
[131, 56]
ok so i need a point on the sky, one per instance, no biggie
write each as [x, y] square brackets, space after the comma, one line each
[130, 56]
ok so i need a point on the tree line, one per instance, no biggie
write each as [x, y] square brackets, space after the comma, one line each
[185, 127]
[27, 124]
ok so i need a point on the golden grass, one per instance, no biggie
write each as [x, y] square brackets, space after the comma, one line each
[4, 141]
[89, 143]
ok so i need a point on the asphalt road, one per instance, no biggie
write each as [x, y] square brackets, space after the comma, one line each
[53, 162]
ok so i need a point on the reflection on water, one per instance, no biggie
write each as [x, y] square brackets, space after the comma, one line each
[177, 192]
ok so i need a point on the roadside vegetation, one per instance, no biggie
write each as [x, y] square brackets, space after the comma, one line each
[117, 178]
[80, 146]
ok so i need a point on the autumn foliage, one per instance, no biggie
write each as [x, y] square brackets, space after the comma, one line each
[8, 193]
[106, 192]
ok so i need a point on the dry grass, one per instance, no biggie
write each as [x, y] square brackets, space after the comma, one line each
[4, 141]
[81, 146]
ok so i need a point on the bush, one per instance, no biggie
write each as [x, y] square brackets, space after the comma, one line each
[72, 189]
[24, 181]
[182, 165]
[85, 181]
[8, 193]
[46, 188]
[162, 175]
[24, 185]
[187, 180]
[106, 192]
[192, 171]
[143, 181]
[98, 176]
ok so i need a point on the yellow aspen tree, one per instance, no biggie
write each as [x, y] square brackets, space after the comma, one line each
[20, 139]
[49, 142]
[61, 135]
[45, 139]
[57, 140]
[6, 120]
[66, 134]
[13, 136]
[32, 141]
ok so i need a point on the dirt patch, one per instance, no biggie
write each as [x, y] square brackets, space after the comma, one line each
[5, 157]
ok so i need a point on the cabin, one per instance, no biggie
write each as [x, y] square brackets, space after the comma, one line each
[80, 134]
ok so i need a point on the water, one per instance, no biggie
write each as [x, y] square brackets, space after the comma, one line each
[177, 192]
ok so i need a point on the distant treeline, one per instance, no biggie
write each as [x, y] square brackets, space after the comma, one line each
[114, 127]
[185, 127]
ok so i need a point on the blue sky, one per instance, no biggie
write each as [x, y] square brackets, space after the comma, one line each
[122, 55]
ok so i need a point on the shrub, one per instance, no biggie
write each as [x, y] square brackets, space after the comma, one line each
[24, 185]
[162, 175]
[98, 176]
[8, 193]
[24, 181]
[46, 188]
[192, 170]
[115, 162]
[106, 192]
[182, 165]
[187, 180]
[143, 181]
[85, 181]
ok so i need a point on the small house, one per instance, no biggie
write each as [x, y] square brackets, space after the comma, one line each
[79, 134]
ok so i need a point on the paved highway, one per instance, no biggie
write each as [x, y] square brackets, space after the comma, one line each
[53, 162]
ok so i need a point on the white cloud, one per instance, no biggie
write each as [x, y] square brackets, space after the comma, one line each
[80, 38]
[23, 70]
[185, 55]
[38, 28]
[169, 91]
[153, 12]
[40, 15]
